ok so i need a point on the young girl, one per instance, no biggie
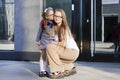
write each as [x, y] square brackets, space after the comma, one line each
[44, 38]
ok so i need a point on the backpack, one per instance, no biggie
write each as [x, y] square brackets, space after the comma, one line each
[42, 23]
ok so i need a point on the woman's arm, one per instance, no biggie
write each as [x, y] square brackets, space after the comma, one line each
[62, 42]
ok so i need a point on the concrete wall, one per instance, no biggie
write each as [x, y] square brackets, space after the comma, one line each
[27, 17]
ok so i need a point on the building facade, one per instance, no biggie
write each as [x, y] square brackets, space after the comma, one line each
[91, 22]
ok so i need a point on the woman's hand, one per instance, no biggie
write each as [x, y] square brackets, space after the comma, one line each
[55, 42]
[58, 43]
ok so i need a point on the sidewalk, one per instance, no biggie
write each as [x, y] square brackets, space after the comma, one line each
[20, 70]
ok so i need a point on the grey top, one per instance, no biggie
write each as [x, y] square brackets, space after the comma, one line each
[45, 38]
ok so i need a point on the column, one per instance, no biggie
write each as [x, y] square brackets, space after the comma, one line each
[27, 18]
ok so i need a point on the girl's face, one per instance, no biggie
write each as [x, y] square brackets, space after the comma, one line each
[49, 15]
[58, 17]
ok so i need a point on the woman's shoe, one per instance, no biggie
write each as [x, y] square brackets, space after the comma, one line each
[70, 72]
[56, 75]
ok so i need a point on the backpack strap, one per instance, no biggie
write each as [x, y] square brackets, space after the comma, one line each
[42, 23]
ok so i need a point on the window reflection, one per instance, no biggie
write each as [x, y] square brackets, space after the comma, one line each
[6, 24]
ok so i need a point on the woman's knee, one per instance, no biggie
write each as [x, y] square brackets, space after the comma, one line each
[48, 47]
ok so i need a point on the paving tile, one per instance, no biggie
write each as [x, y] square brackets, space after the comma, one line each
[20, 70]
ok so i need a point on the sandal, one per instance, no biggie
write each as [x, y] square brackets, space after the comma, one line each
[70, 72]
[56, 75]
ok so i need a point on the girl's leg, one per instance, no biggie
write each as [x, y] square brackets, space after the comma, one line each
[45, 62]
[42, 61]
[43, 65]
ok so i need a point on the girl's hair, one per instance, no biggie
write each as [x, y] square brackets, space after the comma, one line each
[64, 26]
[45, 12]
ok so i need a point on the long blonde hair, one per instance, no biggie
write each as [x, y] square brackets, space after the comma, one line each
[64, 26]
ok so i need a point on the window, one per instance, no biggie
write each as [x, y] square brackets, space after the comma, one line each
[110, 1]
[6, 24]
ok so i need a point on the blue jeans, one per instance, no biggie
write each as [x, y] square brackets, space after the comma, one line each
[116, 53]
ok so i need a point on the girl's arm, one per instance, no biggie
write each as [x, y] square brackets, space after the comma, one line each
[38, 33]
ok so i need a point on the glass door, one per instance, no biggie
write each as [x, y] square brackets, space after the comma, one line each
[103, 28]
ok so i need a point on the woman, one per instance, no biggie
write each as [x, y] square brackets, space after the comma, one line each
[61, 54]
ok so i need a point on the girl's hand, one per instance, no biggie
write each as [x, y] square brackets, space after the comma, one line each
[39, 45]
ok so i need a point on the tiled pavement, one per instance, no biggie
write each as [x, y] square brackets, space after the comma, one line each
[20, 70]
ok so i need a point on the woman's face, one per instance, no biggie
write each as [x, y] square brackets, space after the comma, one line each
[58, 17]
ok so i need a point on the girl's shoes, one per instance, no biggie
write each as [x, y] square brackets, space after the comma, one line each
[43, 74]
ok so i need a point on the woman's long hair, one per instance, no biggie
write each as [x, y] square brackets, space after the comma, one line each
[64, 26]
